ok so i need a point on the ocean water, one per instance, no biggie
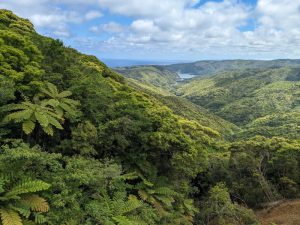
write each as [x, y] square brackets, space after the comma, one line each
[186, 76]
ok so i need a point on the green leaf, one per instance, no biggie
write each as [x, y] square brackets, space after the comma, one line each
[19, 116]
[48, 130]
[52, 102]
[10, 217]
[55, 123]
[65, 94]
[28, 126]
[26, 187]
[42, 119]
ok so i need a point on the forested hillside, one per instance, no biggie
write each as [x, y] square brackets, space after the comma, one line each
[265, 101]
[208, 67]
[156, 76]
[82, 145]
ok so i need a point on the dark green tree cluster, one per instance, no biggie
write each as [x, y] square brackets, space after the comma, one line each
[256, 171]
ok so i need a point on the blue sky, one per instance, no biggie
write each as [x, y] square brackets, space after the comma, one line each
[169, 29]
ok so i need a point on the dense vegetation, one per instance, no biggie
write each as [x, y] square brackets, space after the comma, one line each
[155, 78]
[265, 101]
[82, 145]
[208, 67]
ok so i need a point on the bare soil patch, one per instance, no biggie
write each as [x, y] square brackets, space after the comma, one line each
[285, 213]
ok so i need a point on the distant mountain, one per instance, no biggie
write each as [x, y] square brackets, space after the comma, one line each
[207, 67]
[114, 63]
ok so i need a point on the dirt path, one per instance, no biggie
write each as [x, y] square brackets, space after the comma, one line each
[286, 213]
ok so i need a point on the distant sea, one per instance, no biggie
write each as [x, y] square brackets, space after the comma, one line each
[186, 76]
[131, 62]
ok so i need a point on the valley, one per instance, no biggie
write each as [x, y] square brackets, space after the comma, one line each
[264, 100]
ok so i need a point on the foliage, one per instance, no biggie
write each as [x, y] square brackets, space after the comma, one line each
[119, 209]
[18, 199]
[151, 76]
[264, 168]
[211, 67]
[125, 152]
[29, 114]
[220, 210]
[59, 101]
[250, 97]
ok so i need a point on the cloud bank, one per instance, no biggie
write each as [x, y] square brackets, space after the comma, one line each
[171, 29]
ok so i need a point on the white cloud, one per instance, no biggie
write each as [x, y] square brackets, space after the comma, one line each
[144, 26]
[280, 14]
[93, 14]
[111, 27]
[176, 27]
[144, 8]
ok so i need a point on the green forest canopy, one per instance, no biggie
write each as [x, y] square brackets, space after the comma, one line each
[78, 145]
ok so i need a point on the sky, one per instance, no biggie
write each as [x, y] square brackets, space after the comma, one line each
[169, 29]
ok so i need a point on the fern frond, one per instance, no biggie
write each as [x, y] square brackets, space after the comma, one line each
[123, 220]
[143, 195]
[36, 203]
[137, 220]
[129, 176]
[132, 204]
[52, 102]
[28, 126]
[166, 200]
[18, 116]
[27, 187]
[42, 119]
[53, 121]
[13, 107]
[67, 108]
[23, 210]
[10, 217]
[39, 218]
[48, 130]
[64, 94]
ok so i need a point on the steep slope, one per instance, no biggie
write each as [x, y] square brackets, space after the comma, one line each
[111, 153]
[266, 99]
[161, 83]
[208, 67]
[189, 110]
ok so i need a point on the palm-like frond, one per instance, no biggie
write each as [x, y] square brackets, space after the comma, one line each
[10, 217]
[29, 113]
[59, 100]
[116, 209]
[18, 200]
[35, 203]
[26, 187]
[48, 113]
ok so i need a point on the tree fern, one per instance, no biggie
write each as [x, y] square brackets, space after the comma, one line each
[48, 113]
[117, 209]
[18, 201]
[59, 100]
[160, 197]
[29, 114]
